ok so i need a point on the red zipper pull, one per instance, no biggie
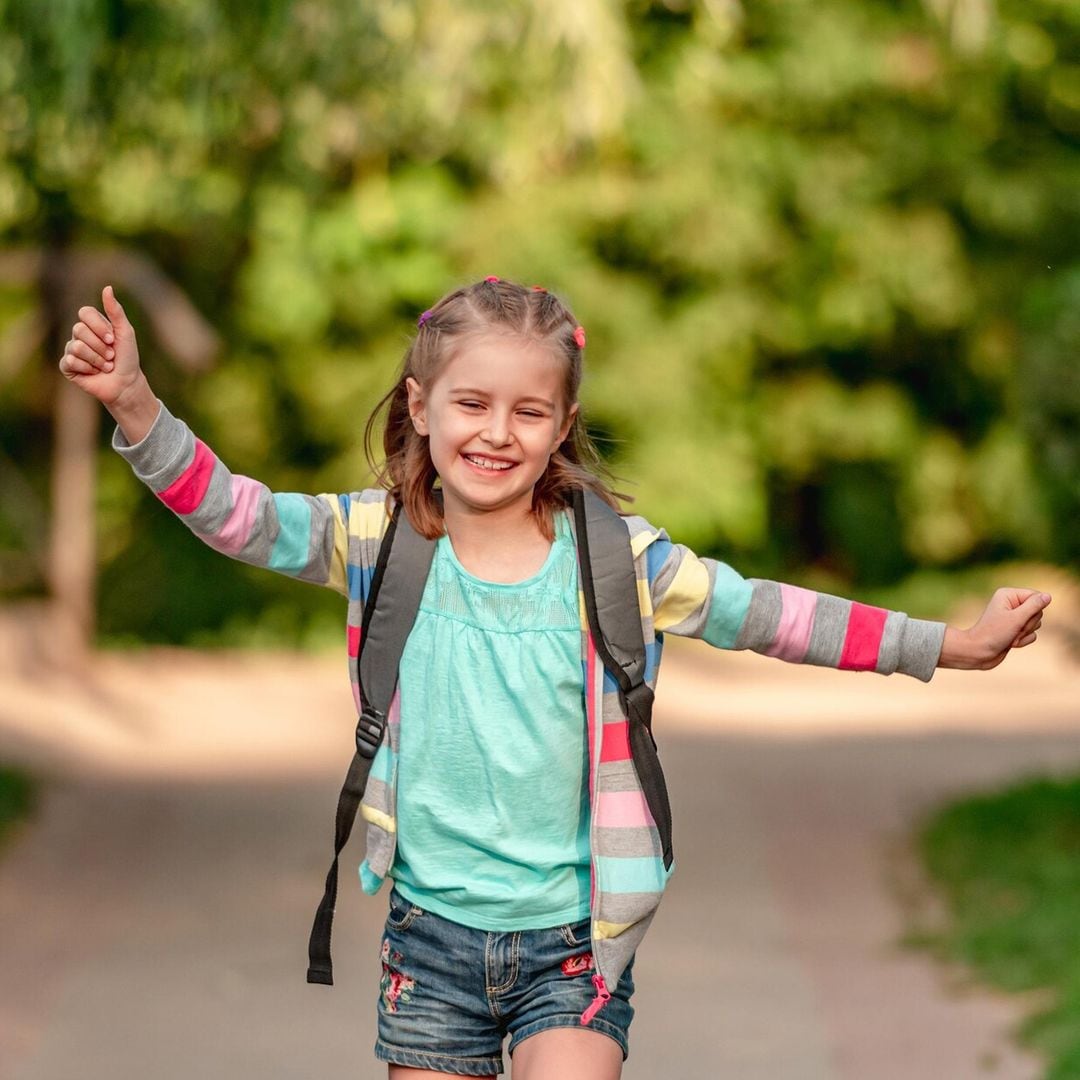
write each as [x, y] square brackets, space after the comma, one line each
[603, 996]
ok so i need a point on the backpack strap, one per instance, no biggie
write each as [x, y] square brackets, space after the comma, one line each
[610, 585]
[397, 587]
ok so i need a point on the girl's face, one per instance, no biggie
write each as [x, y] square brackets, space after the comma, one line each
[493, 418]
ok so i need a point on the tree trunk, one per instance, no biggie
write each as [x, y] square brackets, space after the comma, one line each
[72, 548]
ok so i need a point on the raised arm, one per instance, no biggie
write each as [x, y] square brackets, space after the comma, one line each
[705, 598]
[303, 536]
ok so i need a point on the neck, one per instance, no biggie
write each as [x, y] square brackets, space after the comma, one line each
[500, 545]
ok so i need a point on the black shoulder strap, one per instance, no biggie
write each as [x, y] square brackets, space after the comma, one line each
[609, 583]
[397, 586]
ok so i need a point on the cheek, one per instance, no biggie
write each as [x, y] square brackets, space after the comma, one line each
[546, 447]
[446, 436]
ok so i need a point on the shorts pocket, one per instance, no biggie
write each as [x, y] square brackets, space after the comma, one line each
[402, 912]
[577, 934]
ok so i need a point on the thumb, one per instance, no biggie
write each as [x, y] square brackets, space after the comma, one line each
[1033, 604]
[113, 310]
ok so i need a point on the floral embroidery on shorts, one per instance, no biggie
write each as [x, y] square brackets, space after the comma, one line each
[576, 965]
[395, 987]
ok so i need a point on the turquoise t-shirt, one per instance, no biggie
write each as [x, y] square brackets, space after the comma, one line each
[492, 788]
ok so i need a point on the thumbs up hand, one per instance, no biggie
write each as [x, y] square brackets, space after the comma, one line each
[102, 356]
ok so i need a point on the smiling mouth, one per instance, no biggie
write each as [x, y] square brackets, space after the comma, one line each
[487, 464]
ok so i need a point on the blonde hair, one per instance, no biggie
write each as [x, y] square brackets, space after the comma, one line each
[407, 472]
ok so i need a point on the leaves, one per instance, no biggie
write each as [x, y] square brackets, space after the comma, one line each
[819, 247]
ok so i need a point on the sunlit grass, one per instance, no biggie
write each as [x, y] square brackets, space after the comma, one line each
[1007, 867]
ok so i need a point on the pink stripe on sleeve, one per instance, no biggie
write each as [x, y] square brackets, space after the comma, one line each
[796, 622]
[353, 634]
[865, 626]
[186, 492]
[623, 809]
[234, 533]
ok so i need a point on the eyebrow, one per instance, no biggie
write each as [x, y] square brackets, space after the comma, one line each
[482, 393]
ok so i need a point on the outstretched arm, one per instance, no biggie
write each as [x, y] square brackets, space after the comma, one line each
[707, 599]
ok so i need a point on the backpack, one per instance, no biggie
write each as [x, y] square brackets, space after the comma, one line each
[609, 584]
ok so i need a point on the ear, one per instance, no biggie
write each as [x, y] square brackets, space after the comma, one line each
[564, 430]
[416, 406]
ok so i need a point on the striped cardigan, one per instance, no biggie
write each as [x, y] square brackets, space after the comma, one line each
[333, 540]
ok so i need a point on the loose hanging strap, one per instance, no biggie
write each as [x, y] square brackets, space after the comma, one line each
[610, 588]
[397, 586]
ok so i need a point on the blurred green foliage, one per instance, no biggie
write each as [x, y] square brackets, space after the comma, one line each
[1008, 865]
[825, 250]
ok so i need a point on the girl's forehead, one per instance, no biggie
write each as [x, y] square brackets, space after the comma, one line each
[502, 361]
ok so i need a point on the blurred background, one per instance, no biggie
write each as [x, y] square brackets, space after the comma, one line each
[826, 253]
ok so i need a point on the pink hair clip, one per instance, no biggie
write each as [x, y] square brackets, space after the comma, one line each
[423, 318]
[491, 278]
[579, 336]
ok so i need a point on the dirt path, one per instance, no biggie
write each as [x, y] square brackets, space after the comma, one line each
[155, 916]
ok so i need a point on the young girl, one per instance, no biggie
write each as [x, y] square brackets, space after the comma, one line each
[503, 803]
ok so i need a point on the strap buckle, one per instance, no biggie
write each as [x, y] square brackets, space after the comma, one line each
[369, 731]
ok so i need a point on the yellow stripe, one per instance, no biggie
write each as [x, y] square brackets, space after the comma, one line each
[685, 594]
[640, 542]
[644, 597]
[338, 580]
[377, 817]
[603, 931]
[368, 521]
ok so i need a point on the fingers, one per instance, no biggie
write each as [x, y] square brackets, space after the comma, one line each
[90, 342]
[72, 365]
[1028, 632]
[1012, 598]
[85, 354]
[97, 324]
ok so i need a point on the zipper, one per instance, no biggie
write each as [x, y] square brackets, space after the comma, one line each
[603, 996]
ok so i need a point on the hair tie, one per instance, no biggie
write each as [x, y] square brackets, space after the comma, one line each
[579, 336]
[538, 288]
[423, 318]
[491, 279]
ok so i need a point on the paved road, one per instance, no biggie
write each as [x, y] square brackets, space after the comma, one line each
[160, 931]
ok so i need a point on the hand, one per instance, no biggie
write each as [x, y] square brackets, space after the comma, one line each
[1011, 621]
[102, 356]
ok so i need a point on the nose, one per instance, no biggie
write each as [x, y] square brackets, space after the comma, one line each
[498, 428]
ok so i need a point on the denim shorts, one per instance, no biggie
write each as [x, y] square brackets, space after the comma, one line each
[450, 994]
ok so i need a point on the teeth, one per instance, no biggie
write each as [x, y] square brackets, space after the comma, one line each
[485, 464]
